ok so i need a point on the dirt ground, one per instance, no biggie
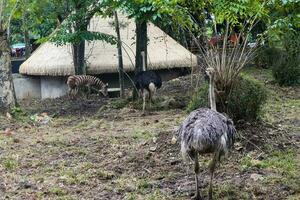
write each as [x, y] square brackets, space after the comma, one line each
[105, 149]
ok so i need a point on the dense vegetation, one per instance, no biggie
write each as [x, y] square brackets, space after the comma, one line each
[104, 149]
[243, 103]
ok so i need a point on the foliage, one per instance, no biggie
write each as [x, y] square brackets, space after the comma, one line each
[199, 99]
[265, 56]
[157, 11]
[286, 70]
[74, 28]
[237, 10]
[39, 17]
[63, 36]
[283, 18]
[244, 102]
[291, 43]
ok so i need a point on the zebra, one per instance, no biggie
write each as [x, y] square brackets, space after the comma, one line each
[76, 81]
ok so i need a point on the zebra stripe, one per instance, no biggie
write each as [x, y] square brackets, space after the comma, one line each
[76, 81]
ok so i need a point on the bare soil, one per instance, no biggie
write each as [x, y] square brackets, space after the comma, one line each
[89, 149]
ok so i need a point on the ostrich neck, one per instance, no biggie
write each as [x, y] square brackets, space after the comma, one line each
[144, 62]
[212, 94]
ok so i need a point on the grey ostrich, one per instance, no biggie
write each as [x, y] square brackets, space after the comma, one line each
[206, 131]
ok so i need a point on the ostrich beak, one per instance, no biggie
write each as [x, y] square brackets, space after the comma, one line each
[174, 140]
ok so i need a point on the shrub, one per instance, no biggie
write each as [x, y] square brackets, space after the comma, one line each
[244, 101]
[286, 70]
[265, 56]
[199, 99]
[291, 43]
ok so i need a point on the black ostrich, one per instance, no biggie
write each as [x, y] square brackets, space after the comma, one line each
[147, 82]
[206, 131]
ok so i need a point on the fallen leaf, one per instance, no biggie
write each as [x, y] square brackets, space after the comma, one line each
[8, 115]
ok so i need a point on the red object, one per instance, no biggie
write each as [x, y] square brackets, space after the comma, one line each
[232, 39]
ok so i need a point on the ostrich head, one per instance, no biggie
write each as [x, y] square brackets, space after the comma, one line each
[210, 72]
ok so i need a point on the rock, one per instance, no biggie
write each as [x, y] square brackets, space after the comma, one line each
[256, 177]
[120, 154]
[168, 103]
[238, 146]
[153, 148]
[174, 140]
[154, 139]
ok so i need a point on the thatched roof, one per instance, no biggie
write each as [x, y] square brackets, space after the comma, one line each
[163, 52]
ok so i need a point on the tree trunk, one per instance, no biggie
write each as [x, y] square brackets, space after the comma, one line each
[78, 58]
[79, 52]
[27, 43]
[7, 91]
[74, 54]
[26, 33]
[141, 45]
[119, 44]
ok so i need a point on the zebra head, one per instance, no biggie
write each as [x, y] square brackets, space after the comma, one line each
[104, 90]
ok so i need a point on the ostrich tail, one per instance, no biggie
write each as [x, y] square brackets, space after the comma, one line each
[152, 87]
[231, 132]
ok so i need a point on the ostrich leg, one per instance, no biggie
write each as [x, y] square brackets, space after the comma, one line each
[212, 167]
[144, 101]
[150, 98]
[197, 170]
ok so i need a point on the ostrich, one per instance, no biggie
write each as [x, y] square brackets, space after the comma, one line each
[206, 131]
[147, 81]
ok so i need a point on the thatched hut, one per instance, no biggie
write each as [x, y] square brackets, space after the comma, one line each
[54, 63]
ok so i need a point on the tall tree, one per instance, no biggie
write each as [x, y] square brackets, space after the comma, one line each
[8, 96]
[120, 57]
[144, 11]
[74, 30]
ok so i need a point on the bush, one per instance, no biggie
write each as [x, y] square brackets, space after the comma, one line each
[244, 102]
[286, 70]
[265, 56]
[199, 99]
[246, 99]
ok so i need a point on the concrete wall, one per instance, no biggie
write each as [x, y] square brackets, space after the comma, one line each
[166, 74]
[53, 87]
[35, 87]
[27, 87]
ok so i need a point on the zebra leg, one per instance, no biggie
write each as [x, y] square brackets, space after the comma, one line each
[72, 93]
[88, 92]
[75, 93]
[69, 93]
[197, 171]
[212, 168]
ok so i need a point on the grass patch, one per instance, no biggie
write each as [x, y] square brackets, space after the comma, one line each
[228, 191]
[104, 175]
[10, 164]
[119, 103]
[282, 163]
[71, 177]
[58, 191]
[278, 161]
[142, 135]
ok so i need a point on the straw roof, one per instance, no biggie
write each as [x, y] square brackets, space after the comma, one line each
[163, 52]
